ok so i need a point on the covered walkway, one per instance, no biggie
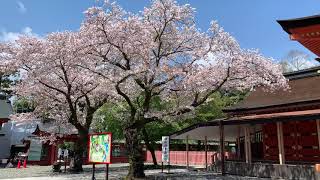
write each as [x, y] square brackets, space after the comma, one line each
[246, 132]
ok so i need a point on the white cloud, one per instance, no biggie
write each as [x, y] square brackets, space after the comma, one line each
[21, 7]
[27, 30]
[12, 36]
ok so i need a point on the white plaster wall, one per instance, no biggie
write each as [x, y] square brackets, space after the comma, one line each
[5, 140]
[14, 133]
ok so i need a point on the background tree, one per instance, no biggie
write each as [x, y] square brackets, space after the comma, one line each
[23, 105]
[297, 60]
[8, 71]
[108, 119]
[159, 53]
[51, 76]
[210, 110]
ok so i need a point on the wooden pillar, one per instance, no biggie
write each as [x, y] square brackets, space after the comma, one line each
[238, 143]
[280, 143]
[52, 153]
[247, 143]
[221, 129]
[187, 151]
[318, 132]
[206, 151]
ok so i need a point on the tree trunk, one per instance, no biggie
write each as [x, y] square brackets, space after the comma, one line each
[150, 147]
[153, 154]
[76, 161]
[135, 154]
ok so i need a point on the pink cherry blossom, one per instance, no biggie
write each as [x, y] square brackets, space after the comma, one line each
[160, 51]
[135, 57]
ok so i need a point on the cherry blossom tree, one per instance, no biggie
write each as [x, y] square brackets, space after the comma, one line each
[7, 70]
[52, 77]
[160, 53]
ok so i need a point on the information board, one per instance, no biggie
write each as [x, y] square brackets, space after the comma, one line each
[100, 148]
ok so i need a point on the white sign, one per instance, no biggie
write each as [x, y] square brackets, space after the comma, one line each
[165, 149]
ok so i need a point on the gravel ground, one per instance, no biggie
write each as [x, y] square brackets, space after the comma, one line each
[116, 172]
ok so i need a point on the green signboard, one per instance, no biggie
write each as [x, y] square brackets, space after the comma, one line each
[35, 150]
[100, 148]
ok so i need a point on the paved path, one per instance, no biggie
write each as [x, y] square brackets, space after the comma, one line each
[46, 171]
[117, 172]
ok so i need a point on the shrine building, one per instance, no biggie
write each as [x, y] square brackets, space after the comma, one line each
[277, 134]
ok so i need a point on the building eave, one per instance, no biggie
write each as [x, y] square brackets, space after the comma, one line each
[288, 24]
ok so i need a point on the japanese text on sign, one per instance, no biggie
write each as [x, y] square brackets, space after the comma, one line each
[165, 149]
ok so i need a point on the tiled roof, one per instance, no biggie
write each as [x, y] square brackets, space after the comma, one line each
[5, 109]
[304, 87]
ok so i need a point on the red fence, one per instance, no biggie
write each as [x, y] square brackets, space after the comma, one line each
[180, 157]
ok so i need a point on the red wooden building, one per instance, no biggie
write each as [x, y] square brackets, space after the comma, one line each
[49, 151]
[277, 133]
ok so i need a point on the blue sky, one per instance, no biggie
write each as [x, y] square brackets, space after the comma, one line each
[252, 22]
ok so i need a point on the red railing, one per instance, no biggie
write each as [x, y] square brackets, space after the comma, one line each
[195, 157]
[180, 157]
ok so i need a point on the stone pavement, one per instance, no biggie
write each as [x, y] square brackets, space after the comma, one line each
[117, 172]
[46, 171]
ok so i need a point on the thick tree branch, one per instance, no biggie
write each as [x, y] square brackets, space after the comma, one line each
[53, 88]
[120, 92]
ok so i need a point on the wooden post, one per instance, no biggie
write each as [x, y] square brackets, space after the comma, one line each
[238, 143]
[247, 143]
[221, 129]
[162, 166]
[280, 143]
[206, 151]
[52, 153]
[187, 152]
[318, 132]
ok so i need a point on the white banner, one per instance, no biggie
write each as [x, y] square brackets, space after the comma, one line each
[165, 149]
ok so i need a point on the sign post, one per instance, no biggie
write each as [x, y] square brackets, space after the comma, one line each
[107, 171]
[165, 151]
[100, 151]
[65, 157]
[93, 171]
